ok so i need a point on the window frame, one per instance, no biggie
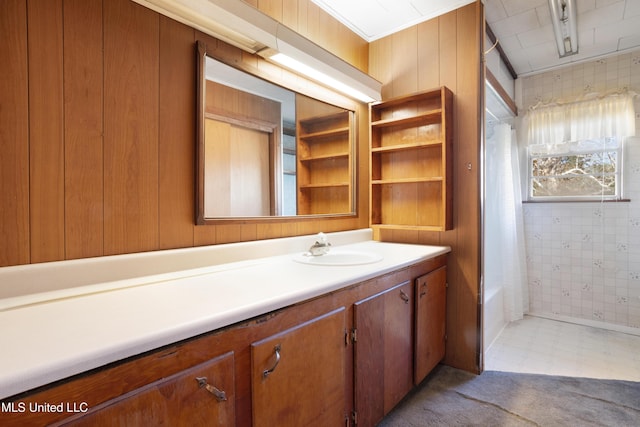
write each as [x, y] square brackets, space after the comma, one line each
[619, 175]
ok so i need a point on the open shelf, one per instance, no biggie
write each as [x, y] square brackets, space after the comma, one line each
[325, 164]
[411, 167]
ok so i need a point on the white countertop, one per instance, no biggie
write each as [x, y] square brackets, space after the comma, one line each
[70, 332]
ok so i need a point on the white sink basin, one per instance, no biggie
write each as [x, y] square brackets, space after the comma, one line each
[339, 257]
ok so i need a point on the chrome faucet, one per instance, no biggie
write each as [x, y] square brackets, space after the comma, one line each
[320, 247]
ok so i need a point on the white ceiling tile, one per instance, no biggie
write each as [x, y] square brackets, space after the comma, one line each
[601, 16]
[522, 26]
[511, 44]
[614, 34]
[515, 7]
[432, 8]
[587, 37]
[517, 24]
[544, 16]
[494, 11]
[585, 5]
[536, 36]
[631, 42]
[632, 9]
[604, 3]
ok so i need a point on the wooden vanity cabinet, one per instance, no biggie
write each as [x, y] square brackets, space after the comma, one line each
[383, 330]
[430, 321]
[298, 375]
[199, 396]
[345, 358]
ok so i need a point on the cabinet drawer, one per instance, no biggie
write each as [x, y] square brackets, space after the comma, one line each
[199, 396]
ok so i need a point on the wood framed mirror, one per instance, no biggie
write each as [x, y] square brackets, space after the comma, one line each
[265, 152]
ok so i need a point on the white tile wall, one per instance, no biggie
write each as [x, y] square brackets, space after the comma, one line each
[584, 258]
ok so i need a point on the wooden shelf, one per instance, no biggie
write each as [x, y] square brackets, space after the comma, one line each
[400, 147]
[325, 157]
[430, 117]
[325, 163]
[411, 162]
[325, 134]
[325, 185]
[406, 180]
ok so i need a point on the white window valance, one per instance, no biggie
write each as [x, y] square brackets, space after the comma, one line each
[558, 127]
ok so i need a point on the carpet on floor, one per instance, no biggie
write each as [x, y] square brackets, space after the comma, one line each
[451, 397]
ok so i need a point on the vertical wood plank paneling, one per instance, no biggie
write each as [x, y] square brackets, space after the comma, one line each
[329, 34]
[273, 8]
[379, 53]
[46, 140]
[405, 61]
[303, 17]
[470, 82]
[177, 135]
[429, 54]
[118, 155]
[130, 127]
[313, 31]
[448, 54]
[448, 46]
[83, 128]
[14, 134]
[290, 13]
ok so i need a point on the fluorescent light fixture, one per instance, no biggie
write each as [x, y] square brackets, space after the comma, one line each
[246, 27]
[564, 22]
[307, 58]
[231, 21]
[320, 77]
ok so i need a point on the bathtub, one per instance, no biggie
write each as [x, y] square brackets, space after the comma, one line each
[494, 320]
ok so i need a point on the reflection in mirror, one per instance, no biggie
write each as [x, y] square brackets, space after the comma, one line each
[265, 151]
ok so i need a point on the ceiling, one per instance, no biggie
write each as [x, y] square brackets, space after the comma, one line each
[522, 27]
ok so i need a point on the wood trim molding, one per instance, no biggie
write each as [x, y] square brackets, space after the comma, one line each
[493, 81]
[503, 55]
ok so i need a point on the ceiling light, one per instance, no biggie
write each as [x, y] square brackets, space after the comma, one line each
[564, 22]
[246, 27]
[307, 58]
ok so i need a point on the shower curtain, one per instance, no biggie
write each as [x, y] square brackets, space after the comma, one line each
[505, 258]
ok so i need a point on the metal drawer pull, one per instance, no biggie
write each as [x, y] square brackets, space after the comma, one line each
[220, 395]
[404, 297]
[266, 372]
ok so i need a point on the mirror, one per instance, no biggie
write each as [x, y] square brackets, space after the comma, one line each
[265, 151]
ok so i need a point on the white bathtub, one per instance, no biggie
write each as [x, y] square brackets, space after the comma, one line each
[494, 320]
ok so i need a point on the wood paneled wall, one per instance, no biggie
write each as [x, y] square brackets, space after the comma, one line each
[97, 133]
[447, 51]
[306, 18]
[97, 129]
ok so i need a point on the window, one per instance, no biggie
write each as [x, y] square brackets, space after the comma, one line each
[590, 172]
[575, 150]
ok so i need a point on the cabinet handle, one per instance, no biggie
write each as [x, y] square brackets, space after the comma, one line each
[404, 297]
[424, 291]
[267, 372]
[220, 395]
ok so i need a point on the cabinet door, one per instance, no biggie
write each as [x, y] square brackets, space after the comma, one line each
[431, 302]
[383, 352]
[200, 396]
[298, 376]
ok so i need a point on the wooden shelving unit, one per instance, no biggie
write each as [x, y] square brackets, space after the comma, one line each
[411, 161]
[325, 164]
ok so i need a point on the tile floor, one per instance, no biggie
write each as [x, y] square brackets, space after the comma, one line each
[543, 346]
